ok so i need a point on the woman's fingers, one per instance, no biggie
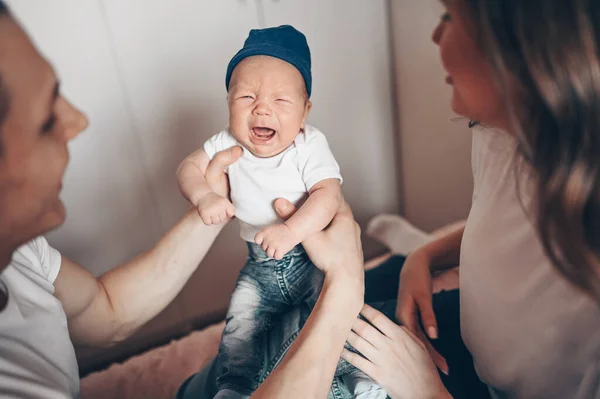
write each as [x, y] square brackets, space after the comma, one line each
[395, 332]
[380, 321]
[363, 346]
[369, 333]
[437, 358]
[407, 312]
[428, 321]
[360, 363]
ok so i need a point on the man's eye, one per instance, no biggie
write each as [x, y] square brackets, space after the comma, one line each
[49, 124]
[446, 17]
[247, 97]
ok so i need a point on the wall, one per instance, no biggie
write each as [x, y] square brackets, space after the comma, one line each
[434, 147]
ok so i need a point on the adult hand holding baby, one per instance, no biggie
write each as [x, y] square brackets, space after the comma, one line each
[205, 184]
[336, 250]
[214, 207]
[215, 175]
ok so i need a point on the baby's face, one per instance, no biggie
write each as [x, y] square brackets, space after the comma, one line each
[268, 104]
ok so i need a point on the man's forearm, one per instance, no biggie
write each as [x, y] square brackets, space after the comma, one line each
[137, 291]
[308, 368]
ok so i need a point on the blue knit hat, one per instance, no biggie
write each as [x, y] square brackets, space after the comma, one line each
[283, 42]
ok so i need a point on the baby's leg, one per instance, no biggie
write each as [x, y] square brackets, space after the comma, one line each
[241, 357]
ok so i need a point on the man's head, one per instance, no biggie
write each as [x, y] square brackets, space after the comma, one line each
[269, 83]
[36, 123]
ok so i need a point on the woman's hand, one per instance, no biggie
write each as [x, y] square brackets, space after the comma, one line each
[337, 250]
[414, 309]
[394, 357]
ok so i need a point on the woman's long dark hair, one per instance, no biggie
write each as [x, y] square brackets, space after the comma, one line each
[545, 54]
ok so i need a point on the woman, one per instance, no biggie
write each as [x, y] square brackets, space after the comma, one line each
[530, 251]
[47, 302]
[528, 72]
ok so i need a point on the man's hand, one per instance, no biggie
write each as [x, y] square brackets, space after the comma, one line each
[337, 250]
[215, 171]
[214, 206]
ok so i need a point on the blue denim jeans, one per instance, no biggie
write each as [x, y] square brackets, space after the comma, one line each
[381, 289]
[277, 341]
[265, 289]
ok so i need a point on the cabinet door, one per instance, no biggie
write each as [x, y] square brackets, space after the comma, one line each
[352, 91]
[106, 191]
[172, 56]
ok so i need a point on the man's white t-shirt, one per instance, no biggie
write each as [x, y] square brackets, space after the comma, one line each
[256, 183]
[37, 358]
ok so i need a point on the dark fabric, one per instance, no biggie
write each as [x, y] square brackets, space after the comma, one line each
[381, 288]
[283, 42]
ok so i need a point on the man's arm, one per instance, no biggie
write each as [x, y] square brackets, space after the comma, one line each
[308, 368]
[105, 310]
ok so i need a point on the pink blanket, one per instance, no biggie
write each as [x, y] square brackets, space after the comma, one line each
[156, 374]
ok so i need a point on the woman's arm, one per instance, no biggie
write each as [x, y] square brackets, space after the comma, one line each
[308, 368]
[444, 252]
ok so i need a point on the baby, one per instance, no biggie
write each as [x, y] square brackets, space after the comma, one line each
[269, 85]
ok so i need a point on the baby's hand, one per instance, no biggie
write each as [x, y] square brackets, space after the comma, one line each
[277, 240]
[214, 209]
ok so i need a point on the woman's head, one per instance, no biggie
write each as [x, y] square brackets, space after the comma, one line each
[534, 71]
[36, 123]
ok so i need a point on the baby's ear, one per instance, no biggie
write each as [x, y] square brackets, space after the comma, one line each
[307, 108]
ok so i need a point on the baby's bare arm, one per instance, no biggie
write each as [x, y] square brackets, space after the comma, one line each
[319, 209]
[190, 176]
[213, 208]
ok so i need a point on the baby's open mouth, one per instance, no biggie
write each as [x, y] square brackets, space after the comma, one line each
[263, 133]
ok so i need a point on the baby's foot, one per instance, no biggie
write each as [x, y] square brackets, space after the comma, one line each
[276, 240]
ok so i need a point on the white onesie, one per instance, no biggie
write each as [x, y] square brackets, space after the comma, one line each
[257, 182]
